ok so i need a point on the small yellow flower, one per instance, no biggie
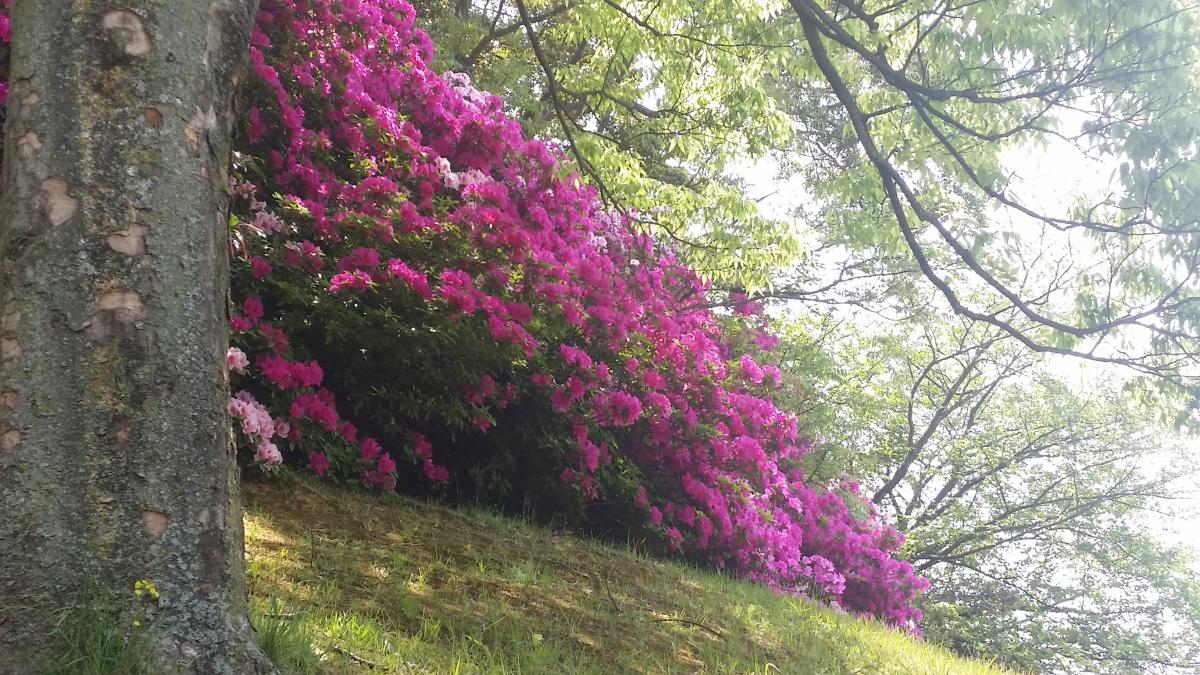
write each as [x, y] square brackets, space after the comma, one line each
[137, 624]
[145, 587]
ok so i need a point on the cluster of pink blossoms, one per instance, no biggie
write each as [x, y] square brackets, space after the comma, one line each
[376, 178]
[259, 427]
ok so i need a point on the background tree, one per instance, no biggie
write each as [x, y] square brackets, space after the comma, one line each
[1026, 503]
[117, 464]
[1116, 82]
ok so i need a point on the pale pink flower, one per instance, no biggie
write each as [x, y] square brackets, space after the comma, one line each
[236, 359]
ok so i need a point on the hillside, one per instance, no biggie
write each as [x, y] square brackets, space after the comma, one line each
[401, 586]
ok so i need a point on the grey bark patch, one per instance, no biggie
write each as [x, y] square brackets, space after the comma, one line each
[126, 31]
[118, 312]
[153, 116]
[122, 300]
[28, 145]
[56, 202]
[9, 349]
[202, 122]
[10, 440]
[129, 242]
[120, 433]
[154, 523]
[28, 99]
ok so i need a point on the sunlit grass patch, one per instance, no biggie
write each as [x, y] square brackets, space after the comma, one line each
[284, 636]
[401, 586]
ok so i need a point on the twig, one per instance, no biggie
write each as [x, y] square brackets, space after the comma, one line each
[689, 622]
[552, 90]
[567, 567]
[608, 591]
[355, 657]
[617, 608]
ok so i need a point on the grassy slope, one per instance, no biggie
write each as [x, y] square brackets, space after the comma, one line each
[406, 587]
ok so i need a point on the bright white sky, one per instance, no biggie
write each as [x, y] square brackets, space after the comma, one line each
[1055, 175]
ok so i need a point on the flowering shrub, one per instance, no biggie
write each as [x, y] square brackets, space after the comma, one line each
[420, 284]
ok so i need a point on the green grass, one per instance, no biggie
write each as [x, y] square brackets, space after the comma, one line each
[92, 641]
[284, 639]
[342, 582]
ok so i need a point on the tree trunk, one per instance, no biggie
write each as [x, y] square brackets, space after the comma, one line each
[116, 462]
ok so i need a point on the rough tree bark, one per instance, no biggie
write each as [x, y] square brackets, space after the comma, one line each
[116, 461]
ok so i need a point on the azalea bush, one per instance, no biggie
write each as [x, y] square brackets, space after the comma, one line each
[427, 298]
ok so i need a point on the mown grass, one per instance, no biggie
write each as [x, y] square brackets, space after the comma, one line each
[343, 582]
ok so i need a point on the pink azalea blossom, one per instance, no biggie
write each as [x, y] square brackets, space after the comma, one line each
[236, 359]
